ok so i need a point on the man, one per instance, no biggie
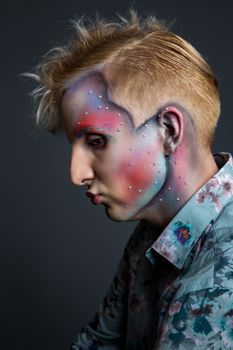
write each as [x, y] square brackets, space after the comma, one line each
[139, 105]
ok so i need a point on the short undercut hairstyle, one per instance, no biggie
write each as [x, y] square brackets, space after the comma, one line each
[146, 64]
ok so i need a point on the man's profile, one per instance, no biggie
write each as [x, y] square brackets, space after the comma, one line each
[139, 106]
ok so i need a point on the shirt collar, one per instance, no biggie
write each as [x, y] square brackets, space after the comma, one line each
[183, 231]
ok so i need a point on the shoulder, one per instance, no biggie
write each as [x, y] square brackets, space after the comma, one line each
[212, 267]
[223, 248]
[224, 221]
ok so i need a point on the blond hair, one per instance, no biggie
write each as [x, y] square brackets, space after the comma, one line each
[147, 64]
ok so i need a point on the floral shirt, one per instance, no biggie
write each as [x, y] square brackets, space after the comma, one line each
[174, 290]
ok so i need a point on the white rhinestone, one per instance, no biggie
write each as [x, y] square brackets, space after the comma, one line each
[156, 182]
[99, 107]
[86, 113]
[118, 114]
[107, 107]
[139, 190]
[90, 92]
[160, 199]
[100, 96]
[177, 198]
[129, 187]
[169, 188]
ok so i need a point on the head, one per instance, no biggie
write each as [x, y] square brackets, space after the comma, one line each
[137, 102]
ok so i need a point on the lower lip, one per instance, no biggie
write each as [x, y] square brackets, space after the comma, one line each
[96, 199]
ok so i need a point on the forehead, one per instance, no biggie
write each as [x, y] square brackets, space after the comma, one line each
[91, 93]
[77, 94]
[88, 104]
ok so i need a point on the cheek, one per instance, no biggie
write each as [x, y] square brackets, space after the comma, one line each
[137, 173]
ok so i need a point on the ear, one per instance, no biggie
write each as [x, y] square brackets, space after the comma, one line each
[171, 124]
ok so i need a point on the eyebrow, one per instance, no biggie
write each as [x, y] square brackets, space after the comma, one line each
[103, 121]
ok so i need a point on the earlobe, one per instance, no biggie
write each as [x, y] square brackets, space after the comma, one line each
[171, 122]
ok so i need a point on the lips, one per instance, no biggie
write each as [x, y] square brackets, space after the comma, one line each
[95, 198]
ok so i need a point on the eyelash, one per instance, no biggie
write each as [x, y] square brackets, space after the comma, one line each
[92, 138]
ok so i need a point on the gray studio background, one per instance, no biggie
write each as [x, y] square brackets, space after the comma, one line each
[58, 252]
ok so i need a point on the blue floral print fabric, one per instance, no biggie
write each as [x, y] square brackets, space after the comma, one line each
[174, 290]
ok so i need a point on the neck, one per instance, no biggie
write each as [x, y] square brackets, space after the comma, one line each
[187, 172]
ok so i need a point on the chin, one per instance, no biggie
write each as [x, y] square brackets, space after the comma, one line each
[120, 215]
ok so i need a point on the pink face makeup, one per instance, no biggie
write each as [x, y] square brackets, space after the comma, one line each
[143, 173]
[96, 121]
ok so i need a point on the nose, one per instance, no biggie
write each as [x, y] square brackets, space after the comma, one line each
[81, 166]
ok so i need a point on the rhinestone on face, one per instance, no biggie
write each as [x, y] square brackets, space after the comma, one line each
[107, 107]
[118, 114]
[90, 92]
[139, 190]
[86, 113]
[129, 187]
[169, 188]
[156, 182]
[121, 123]
[177, 198]
[160, 199]
[99, 107]
[143, 135]
[100, 96]
[146, 125]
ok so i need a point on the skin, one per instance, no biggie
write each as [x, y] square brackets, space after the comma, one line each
[144, 172]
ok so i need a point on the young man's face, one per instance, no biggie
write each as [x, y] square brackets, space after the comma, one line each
[123, 167]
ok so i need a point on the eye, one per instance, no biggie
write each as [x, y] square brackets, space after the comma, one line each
[96, 141]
